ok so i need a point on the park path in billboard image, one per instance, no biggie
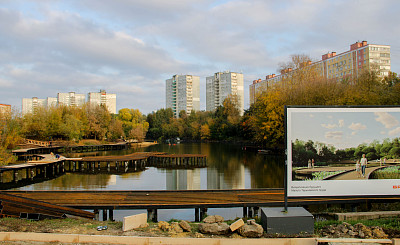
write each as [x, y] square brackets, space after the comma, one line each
[347, 172]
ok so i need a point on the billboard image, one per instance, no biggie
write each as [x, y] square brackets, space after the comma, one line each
[342, 151]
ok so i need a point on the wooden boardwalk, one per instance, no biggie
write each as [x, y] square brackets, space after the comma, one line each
[249, 199]
[180, 199]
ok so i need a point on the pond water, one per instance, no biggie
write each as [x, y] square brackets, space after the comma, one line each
[228, 167]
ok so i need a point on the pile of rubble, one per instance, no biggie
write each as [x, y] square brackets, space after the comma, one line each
[346, 230]
[215, 225]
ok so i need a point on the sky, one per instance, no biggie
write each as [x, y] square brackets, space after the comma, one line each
[130, 47]
[345, 128]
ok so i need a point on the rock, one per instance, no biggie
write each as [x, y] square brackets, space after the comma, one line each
[213, 219]
[175, 227]
[236, 236]
[236, 225]
[378, 233]
[209, 219]
[164, 226]
[251, 230]
[353, 233]
[185, 226]
[214, 228]
[198, 235]
[251, 221]
[219, 219]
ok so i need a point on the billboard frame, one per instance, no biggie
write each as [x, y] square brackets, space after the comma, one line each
[288, 151]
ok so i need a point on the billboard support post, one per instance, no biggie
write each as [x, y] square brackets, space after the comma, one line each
[286, 167]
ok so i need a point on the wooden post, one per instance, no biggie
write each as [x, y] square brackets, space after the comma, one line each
[104, 214]
[152, 215]
[96, 214]
[1, 177]
[250, 212]
[197, 215]
[203, 213]
[111, 214]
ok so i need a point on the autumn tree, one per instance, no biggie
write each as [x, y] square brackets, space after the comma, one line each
[9, 136]
[134, 123]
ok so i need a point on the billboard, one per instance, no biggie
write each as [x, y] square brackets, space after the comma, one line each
[343, 151]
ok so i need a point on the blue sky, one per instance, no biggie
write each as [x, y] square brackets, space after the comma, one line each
[346, 129]
[130, 47]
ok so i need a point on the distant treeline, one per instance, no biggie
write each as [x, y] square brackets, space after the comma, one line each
[303, 151]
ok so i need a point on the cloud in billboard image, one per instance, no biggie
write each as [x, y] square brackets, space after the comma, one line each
[341, 151]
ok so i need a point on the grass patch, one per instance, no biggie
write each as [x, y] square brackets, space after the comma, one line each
[392, 172]
[391, 223]
[323, 174]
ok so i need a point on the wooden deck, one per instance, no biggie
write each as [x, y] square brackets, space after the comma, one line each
[181, 199]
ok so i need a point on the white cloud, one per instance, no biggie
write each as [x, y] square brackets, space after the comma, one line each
[341, 123]
[386, 119]
[394, 132]
[329, 126]
[357, 126]
[337, 135]
[79, 45]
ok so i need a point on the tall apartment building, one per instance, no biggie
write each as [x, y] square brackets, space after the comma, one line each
[183, 93]
[31, 105]
[71, 99]
[337, 66]
[220, 86]
[103, 98]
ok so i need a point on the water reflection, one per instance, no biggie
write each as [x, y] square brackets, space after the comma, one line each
[183, 179]
[228, 168]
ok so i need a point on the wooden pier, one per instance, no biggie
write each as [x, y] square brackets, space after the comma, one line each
[23, 153]
[46, 166]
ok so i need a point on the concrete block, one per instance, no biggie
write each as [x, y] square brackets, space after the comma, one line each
[296, 220]
[236, 225]
[134, 221]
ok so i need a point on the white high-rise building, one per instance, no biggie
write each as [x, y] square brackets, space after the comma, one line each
[30, 105]
[183, 93]
[103, 98]
[220, 86]
[51, 102]
[71, 99]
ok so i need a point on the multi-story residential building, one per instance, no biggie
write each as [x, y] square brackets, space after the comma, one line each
[4, 108]
[71, 99]
[361, 56]
[103, 98]
[183, 93]
[51, 102]
[31, 105]
[220, 86]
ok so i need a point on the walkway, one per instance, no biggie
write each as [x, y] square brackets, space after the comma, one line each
[353, 175]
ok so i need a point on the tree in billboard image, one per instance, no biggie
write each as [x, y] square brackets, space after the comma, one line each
[345, 146]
